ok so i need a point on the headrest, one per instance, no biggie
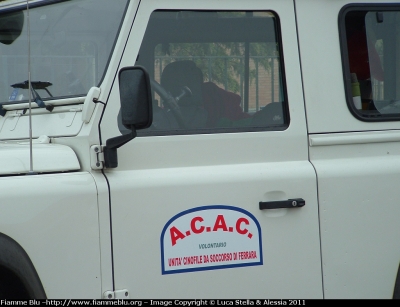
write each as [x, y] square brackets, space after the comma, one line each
[178, 74]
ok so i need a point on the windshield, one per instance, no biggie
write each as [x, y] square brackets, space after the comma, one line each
[70, 46]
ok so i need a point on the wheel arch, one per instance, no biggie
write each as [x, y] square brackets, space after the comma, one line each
[15, 262]
[396, 291]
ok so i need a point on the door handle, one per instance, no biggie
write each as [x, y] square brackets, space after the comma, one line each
[290, 203]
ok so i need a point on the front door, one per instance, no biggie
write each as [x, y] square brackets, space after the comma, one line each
[202, 202]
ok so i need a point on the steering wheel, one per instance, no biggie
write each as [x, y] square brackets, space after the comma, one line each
[170, 102]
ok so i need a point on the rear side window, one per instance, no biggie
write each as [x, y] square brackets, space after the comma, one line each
[214, 72]
[370, 39]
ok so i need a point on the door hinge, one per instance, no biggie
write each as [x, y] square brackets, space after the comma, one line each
[97, 157]
[118, 295]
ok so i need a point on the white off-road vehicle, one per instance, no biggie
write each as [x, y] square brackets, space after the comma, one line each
[199, 149]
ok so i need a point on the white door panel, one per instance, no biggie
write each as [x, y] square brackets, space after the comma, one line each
[144, 201]
[359, 215]
[356, 158]
[164, 181]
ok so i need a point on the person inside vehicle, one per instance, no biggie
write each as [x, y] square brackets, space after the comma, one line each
[209, 106]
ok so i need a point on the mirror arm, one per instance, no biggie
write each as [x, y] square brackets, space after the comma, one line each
[110, 150]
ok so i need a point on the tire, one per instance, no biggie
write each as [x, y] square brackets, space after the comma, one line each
[11, 287]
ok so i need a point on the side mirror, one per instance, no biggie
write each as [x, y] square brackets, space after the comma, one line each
[11, 27]
[135, 95]
[136, 109]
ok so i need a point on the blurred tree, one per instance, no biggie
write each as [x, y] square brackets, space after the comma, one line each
[222, 63]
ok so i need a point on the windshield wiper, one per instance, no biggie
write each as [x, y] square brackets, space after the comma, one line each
[36, 85]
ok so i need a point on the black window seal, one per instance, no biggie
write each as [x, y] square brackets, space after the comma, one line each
[218, 130]
[345, 58]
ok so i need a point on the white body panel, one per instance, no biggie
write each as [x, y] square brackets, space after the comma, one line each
[160, 177]
[357, 167]
[169, 192]
[15, 158]
[55, 220]
[65, 121]
[359, 215]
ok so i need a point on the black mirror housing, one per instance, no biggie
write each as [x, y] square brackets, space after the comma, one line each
[11, 26]
[136, 109]
[136, 99]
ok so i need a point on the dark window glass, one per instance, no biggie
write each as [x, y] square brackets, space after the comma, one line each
[372, 62]
[214, 72]
[70, 46]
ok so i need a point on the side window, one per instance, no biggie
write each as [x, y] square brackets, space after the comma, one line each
[214, 72]
[371, 55]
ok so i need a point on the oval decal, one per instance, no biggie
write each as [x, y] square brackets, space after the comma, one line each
[210, 238]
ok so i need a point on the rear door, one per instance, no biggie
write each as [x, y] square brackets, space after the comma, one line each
[354, 140]
[185, 197]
